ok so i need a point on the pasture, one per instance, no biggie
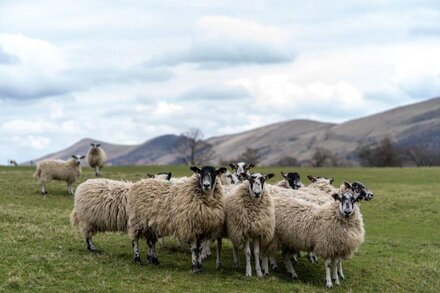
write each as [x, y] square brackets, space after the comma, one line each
[39, 250]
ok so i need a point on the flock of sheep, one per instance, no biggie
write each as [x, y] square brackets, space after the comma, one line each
[258, 218]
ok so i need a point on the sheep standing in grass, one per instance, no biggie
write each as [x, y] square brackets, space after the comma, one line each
[191, 210]
[250, 220]
[161, 175]
[68, 171]
[96, 158]
[291, 180]
[100, 206]
[333, 231]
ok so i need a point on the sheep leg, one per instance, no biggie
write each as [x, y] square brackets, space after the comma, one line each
[137, 255]
[273, 263]
[248, 253]
[206, 250]
[236, 257]
[312, 257]
[294, 258]
[195, 255]
[257, 258]
[90, 246]
[288, 264]
[152, 251]
[97, 171]
[328, 279]
[69, 189]
[218, 262]
[340, 272]
[43, 188]
[335, 271]
[265, 265]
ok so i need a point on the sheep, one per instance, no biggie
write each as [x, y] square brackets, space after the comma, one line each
[13, 163]
[291, 180]
[241, 168]
[96, 158]
[250, 219]
[333, 231]
[100, 206]
[191, 210]
[229, 178]
[161, 175]
[68, 171]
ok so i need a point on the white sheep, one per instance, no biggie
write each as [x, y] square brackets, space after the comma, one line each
[68, 171]
[250, 220]
[100, 206]
[161, 175]
[96, 158]
[334, 230]
[192, 211]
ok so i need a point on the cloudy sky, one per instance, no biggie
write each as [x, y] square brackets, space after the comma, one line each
[124, 72]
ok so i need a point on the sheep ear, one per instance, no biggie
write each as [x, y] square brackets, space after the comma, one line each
[250, 166]
[347, 185]
[233, 166]
[73, 156]
[82, 157]
[335, 196]
[269, 176]
[331, 180]
[98, 145]
[221, 170]
[283, 174]
[245, 176]
[195, 169]
[150, 176]
[312, 178]
[92, 144]
[169, 176]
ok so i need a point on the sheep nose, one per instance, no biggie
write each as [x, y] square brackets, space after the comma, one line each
[206, 185]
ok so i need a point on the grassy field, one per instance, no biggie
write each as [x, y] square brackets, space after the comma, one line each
[39, 250]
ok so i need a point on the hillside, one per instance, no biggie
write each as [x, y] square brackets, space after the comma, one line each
[412, 125]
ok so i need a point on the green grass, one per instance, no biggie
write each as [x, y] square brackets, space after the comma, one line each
[39, 250]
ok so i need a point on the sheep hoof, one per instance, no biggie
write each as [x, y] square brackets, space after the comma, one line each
[293, 276]
[218, 265]
[259, 274]
[329, 285]
[341, 276]
[275, 269]
[137, 260]
[336, 282]
[153, 260]
[197, 268]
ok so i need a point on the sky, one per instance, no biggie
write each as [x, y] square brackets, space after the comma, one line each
[125, 72]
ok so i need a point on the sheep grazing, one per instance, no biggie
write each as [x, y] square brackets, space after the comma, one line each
[291, 180]
[241, 169]
[68, 171]
[96, 158]
[250, 220]
[100, 206]
[13, 163]
[161, 175]
[333, 231]
[191, 210]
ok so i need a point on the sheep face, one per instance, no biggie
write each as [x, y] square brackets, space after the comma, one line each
[320, 179]
[293, 178]
[95, 146]
[207, 176]
[78, 159]
[231, 178]
[347, 203]
[256, 184]
[161, 175]
[362, 191]
[241, 169]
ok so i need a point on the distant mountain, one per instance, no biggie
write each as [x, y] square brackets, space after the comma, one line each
[113, 151]
[412, 125]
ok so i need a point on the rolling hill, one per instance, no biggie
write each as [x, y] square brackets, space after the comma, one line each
[412, 125]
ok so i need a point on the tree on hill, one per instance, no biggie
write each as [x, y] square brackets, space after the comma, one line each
[193, 150]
